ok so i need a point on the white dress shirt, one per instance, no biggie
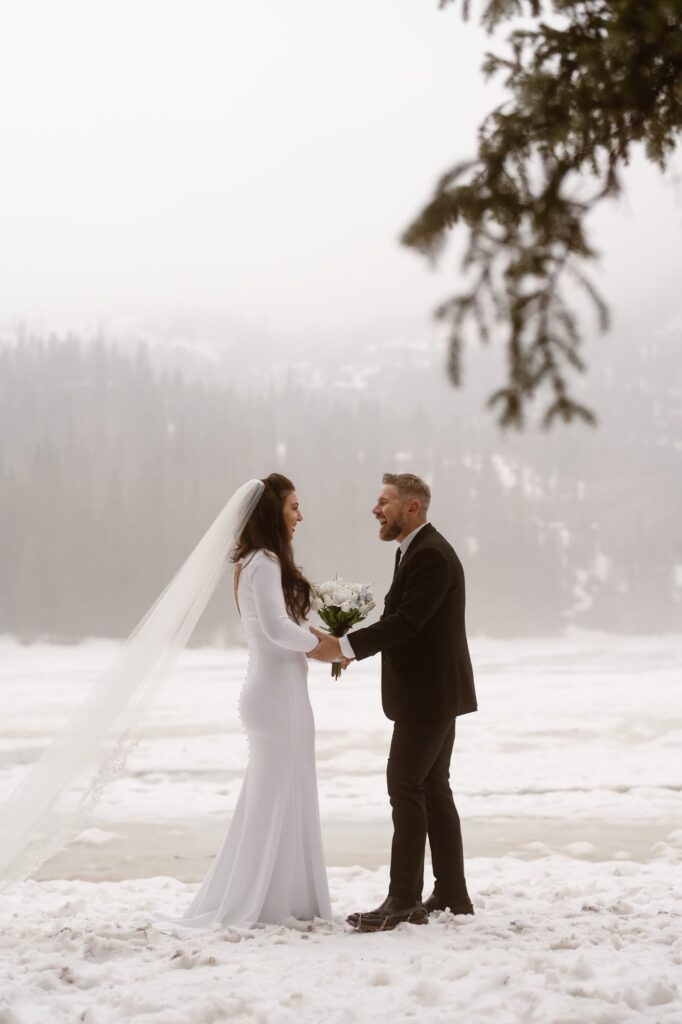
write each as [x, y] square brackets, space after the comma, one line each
[344, 641]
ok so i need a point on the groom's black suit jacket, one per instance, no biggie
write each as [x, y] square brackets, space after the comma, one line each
[426, 670]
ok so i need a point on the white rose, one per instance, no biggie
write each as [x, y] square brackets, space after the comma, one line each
[316, 604]
[346, 606]
[329, 600]
[340, 595]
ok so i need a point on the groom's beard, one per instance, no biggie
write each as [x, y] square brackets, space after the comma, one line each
[389, 531]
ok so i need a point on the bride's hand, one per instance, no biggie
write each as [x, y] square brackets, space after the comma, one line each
[328, 648]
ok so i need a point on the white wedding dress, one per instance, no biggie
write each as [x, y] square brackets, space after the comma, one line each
[271, 864]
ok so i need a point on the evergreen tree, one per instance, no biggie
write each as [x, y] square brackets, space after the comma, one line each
[588, 81]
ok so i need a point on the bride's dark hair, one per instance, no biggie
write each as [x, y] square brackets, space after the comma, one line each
[266, 528]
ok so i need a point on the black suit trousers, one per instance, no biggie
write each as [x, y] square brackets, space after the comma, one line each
[418, 777]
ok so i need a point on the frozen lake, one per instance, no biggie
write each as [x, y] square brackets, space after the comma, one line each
[569, 785]
[575, 750]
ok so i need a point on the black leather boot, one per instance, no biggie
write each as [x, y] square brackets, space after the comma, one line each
[436, 902]
[392, 912]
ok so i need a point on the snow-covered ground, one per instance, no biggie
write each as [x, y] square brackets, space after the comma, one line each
[569, 785]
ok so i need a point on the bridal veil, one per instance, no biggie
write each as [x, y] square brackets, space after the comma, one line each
[57, 795]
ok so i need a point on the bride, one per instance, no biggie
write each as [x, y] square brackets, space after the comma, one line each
[271, 864]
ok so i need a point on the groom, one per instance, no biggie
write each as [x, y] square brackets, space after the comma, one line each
[426, 682]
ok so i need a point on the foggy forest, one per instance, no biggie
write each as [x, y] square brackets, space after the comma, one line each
[115, 457]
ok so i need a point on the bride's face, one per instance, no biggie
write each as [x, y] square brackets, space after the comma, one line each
[292, 513]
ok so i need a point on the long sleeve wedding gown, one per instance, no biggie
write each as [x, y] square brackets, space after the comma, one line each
[271, 864]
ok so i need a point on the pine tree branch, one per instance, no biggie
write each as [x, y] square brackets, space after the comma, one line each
[586, 84]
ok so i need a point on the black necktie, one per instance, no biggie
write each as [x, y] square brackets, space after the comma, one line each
[398, 556]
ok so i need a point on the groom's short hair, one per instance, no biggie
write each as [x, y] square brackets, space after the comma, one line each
[410, 486]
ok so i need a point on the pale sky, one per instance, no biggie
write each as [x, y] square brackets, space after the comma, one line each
[258, 159]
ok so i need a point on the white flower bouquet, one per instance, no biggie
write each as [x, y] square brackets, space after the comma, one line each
[341, 606]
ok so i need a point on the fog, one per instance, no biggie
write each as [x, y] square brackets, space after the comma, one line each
[202, 282]
[113, 464]
[254, 160]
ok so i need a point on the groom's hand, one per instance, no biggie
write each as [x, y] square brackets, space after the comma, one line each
[328, 649]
